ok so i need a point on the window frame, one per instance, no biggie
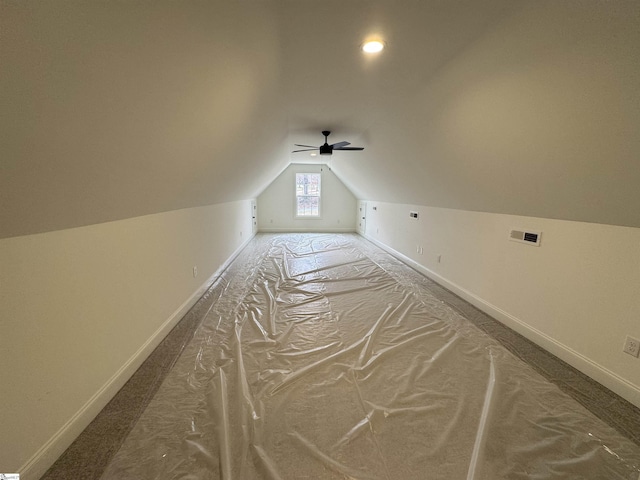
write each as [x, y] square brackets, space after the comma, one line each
[296, 197]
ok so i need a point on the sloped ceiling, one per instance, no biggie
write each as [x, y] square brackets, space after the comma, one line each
[112, 110]
[537, 116]
[331, 84]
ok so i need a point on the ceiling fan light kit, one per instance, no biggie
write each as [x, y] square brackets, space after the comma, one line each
[327, 149]
[373, 46]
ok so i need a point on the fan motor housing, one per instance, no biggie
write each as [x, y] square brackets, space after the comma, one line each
[326, 149]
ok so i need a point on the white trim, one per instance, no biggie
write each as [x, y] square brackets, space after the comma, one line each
[46, 455]
[597, 372]
[307, 230]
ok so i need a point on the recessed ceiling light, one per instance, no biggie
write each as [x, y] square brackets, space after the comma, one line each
[313, 154]
[373, 46]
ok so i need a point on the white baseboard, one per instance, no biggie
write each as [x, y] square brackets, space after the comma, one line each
[307, 230]
[46, 456]
[600, 374]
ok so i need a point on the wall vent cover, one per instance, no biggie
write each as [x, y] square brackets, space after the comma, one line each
[526, 236]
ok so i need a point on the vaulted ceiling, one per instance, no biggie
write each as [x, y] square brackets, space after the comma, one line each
[112, 110]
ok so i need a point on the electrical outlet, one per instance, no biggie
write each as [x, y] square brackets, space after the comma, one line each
[439, 258]
[195, 272]
[631, 346]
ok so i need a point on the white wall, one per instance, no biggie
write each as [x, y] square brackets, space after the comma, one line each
[276, 205]
[577, 294]
[82, 308]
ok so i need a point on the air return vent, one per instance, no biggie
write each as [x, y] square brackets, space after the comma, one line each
[526, 236]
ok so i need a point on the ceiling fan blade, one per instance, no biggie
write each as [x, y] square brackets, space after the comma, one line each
[310, 146]
[306, 150]
[340, 144]
[349, 148]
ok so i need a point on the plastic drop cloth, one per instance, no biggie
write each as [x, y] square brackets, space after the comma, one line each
[325, 358]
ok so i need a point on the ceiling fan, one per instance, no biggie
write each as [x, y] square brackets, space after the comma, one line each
[327, 149]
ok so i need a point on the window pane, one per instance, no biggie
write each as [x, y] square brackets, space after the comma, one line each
[307, 184]
[308, 205]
